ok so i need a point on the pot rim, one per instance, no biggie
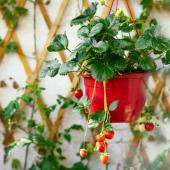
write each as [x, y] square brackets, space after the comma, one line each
[133, 75]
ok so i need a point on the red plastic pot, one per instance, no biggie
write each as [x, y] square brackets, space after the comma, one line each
[129, 89]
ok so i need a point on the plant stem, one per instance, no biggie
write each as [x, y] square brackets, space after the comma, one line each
[94, 89]
[27, 148]
[107, 167]
[26, 157]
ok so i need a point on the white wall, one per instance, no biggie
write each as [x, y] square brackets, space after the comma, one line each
[12, 67]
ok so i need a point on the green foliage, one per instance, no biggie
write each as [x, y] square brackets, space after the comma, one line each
[105, 52]
[95, 119]
[11, 11]
[147, 3]
[49, 151]
[16, 164]
[11, 47]
[82, 104]
[166, 58]
[66, 134]
[21, 10]
[59, 43]
[86, 15]
[1, 41]
[113, 105]
[12, 107]
[50, 68]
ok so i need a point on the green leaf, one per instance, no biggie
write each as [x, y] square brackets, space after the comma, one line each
[101, 46]
[67, 137]
[166, 59]
[31, 123]
[41, 128]
[101, 71]
[160, 44]
[76, 127]
[166, 115]
[21, 10]
[95, 119]
[50, 68]
[145, 40]
[15, 164]
[79, 166]
[147, 63]
[12, 107]
[1, 41]
[117, 64]
[59, 43]
[83, 32]
[49, 163]
[87, 14]
[93, 124]
[26, 99]
[67, 67]
[10, 17]
[96, 29]
[113, 105]
[147, 3]
[11, 47]
[108, 127]
[119, 45]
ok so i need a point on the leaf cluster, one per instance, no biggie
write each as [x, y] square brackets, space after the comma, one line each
[11, 11]
[108, 46]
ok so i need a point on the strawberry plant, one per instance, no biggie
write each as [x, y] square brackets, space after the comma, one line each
[49, 152]
[108, 46]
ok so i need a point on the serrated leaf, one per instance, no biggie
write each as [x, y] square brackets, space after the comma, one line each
[145, 40]
[108, 127]
[118, 64]
[95, 119]
[96, 29]
[59, 43]
[93, 124]
[147, 63]
[101, 46]
[67, 67]
[166, 59]
[83, 32]
[101, 71]
[113, 105]
[87, 14]
[50, 68]
[160, 44]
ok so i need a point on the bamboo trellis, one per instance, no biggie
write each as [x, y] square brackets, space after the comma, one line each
[33, 75]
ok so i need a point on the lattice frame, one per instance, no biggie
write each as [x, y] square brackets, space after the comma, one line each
[33, 75]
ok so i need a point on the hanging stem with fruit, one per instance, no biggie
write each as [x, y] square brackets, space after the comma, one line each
[115, 65]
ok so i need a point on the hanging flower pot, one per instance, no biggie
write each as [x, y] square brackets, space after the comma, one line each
[129, 89]
[107, 49]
